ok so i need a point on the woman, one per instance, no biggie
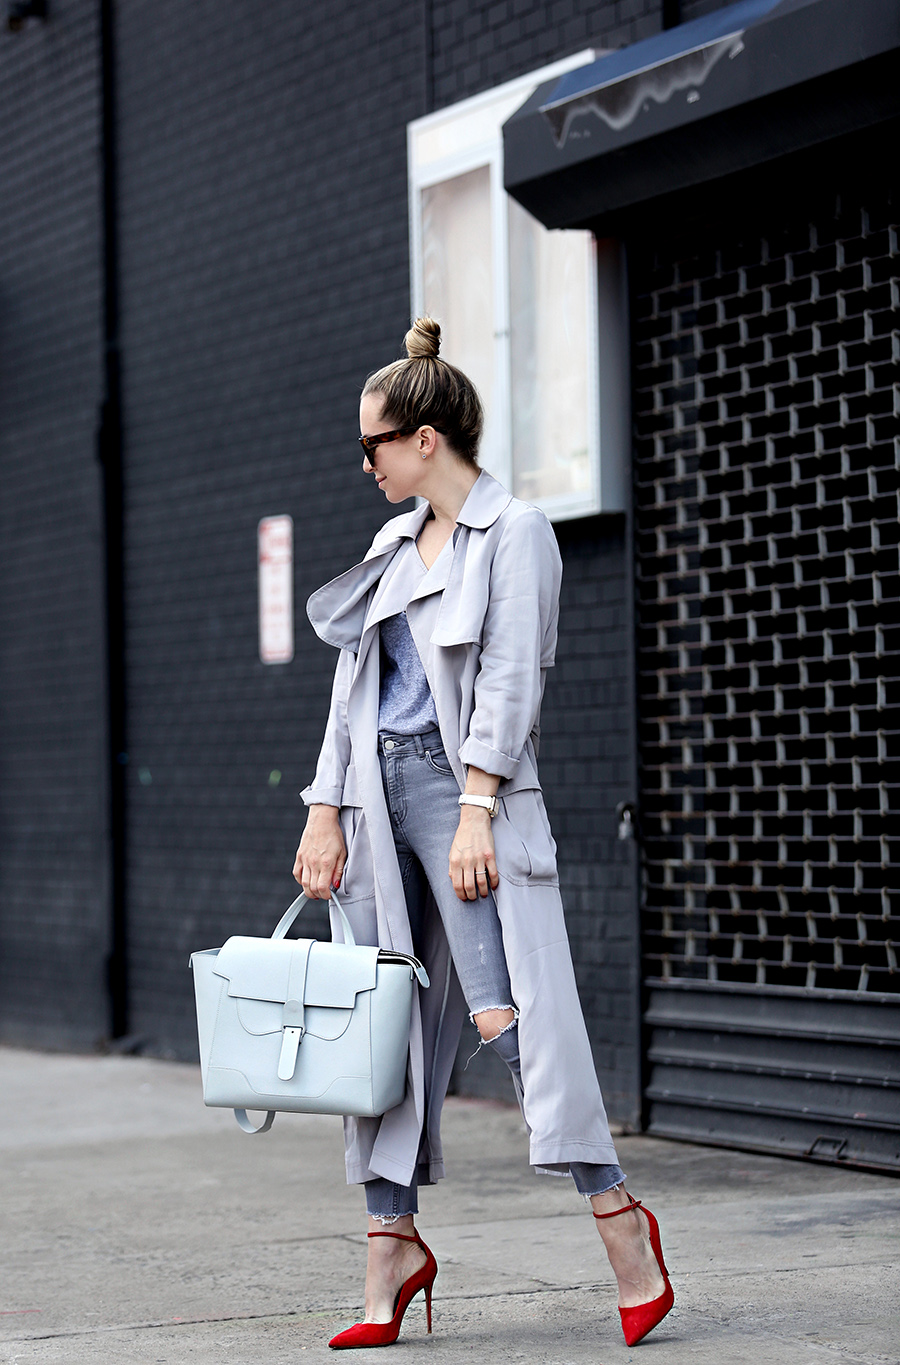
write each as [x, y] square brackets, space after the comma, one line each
[426, 812]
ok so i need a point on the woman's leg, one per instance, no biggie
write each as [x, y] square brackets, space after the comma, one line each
[627, 1244]
[391, 1208]
[625, 1238]
[424, 799]
[424, 817]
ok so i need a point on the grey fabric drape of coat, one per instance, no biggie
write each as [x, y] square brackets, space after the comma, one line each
[484, 620]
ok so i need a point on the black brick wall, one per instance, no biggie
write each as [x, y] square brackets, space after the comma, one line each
[53, 820]
[264, 272]
[766, 406]
[477, 45]
[588, 767]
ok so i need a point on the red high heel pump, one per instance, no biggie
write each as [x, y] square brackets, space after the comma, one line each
[643, 1317]
[386, 1333]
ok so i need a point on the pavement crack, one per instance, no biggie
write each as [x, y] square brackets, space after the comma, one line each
[337, 1310]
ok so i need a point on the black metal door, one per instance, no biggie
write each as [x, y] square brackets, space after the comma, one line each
[767, 531]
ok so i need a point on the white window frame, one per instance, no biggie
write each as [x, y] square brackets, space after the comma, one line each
[468, 136]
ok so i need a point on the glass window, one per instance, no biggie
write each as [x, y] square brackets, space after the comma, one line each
[458, 284]
[518, 307]
[550, 288]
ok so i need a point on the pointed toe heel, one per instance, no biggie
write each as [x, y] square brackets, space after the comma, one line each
[638, 1321]
[386, 1333]
[643, 1317]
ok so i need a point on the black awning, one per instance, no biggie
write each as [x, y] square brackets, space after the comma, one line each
[744, 85]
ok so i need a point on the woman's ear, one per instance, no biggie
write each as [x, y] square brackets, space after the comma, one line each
[427, 441]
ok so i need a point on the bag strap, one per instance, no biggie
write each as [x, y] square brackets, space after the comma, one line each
[294, 1014]
[244, 1122]
[293, 910]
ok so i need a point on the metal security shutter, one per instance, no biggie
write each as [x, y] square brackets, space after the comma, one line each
[767, 531]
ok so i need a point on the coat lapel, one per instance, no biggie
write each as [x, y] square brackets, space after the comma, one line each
[340, 611]
[337, 611]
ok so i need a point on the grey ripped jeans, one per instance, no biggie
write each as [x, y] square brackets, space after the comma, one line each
[423, 801]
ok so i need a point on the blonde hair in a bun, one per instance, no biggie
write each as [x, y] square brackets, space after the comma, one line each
[424, 390]
[423, 340]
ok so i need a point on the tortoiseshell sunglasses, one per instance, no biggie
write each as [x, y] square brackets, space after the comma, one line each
[369, 443]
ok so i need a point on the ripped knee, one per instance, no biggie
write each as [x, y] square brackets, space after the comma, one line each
[490, 1023]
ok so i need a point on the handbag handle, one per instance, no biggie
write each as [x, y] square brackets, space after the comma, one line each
[293, 910]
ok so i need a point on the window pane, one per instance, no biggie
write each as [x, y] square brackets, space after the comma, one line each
[458, 286]
[550, 294]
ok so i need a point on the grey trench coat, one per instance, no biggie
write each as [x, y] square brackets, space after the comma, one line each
[484, 622]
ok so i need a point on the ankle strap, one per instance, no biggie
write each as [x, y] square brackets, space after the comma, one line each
[400, 1236]
[626, 1208]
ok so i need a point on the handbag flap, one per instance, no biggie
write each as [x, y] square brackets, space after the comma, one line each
[260, 969]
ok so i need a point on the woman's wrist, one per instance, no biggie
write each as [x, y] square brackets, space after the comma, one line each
[320, 812]
[480, 783]
[474, 814]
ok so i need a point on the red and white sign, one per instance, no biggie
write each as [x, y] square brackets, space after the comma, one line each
[275, 540]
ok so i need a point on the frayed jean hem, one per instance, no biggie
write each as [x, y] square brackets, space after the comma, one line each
[388, 1201]
[591, 1179]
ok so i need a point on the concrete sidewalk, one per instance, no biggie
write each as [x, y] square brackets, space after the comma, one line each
[139, 1226]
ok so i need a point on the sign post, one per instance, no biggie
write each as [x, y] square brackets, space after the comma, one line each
[275, 541]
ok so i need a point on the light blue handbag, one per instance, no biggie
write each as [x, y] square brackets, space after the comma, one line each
[301, 1026]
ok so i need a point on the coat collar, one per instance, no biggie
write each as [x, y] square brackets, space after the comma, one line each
[337, 610]
[486, 500]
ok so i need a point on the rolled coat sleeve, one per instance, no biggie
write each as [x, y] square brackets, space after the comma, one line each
[327, 787]
[518, 644]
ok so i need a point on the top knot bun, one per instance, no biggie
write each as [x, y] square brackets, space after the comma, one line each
[423, 340]
[435, 394]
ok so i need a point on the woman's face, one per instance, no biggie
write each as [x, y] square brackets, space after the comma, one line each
[399, 467]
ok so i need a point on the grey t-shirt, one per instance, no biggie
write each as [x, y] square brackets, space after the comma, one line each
[405, 706]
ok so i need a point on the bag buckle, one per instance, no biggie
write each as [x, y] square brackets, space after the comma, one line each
[292, 1037]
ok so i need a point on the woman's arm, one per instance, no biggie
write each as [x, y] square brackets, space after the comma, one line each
[518, 644]
[327, 787]
[319, 864]
[473, 867]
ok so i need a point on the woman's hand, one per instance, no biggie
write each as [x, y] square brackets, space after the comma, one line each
[319, 864]
[473, 868]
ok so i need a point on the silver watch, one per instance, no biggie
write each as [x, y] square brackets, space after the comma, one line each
[488, 803]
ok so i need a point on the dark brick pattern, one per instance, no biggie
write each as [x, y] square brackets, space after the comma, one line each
[767, 489]
[588, 766]
[478, 45]
[264, 272]
[53, 803]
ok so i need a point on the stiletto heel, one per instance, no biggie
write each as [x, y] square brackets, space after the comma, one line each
[386, 1333]
[643, 1317]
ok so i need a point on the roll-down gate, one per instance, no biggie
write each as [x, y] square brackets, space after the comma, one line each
[767, 528]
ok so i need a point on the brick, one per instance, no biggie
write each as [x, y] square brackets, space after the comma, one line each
[264, 264]
[54, 911]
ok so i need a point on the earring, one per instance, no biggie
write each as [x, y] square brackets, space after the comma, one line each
[424, 454]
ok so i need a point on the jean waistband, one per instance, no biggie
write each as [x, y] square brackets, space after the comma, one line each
[397, 745]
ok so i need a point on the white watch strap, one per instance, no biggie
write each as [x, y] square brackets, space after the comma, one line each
[488, 803]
